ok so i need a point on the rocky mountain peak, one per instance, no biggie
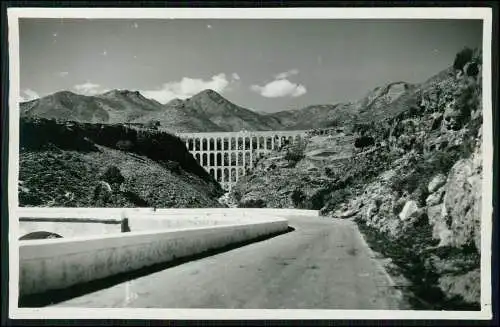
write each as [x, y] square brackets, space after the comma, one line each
[209, 95]
[122, 93]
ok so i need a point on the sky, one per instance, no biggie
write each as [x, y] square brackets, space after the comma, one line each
[263, 65]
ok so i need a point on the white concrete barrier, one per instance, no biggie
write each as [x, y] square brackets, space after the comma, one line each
[131, 212]
[70, 225]
[59, 263]
[140, 219]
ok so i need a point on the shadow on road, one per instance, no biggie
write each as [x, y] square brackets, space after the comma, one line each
[56, 296]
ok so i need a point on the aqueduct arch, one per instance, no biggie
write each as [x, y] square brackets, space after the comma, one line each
[226, 156]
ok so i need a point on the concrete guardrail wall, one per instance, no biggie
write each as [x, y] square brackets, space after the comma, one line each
[69, 222]
[60, 263]
[110, 213]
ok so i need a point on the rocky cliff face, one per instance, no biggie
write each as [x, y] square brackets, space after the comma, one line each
[410, 176]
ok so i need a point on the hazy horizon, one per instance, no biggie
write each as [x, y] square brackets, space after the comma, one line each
[262, 65]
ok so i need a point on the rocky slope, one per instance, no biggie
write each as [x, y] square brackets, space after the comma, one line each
[409, 172]
[72, 164]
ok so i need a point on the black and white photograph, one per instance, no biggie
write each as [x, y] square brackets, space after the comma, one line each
[190, 163]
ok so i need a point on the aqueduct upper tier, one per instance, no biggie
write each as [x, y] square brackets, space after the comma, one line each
[228, 155]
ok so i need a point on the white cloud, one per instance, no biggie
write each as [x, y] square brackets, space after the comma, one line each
[28, 95]
[287, 74]
[235, 76]
[63, 74]
[88, 88]
[280, 88]
[187, 87]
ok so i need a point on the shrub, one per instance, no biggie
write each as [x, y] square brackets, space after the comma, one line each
[112, 175]
[472, 69]
[253, 203]
[294, 155]
[463, 57]
[318, 199]
[337, 197]
[153, 124]
[124, 145]
[467, 101]
[364, 141]
[298, 198]
[329, 172]
[422, 193]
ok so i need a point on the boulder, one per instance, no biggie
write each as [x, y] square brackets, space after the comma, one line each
[462, 203]
[370, 210]
[345, 214]
[436, 182]
[409, 210]
[437, 119]
[435, 198]
[440, 230]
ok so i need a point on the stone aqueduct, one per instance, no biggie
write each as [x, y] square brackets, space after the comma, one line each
[228, 155]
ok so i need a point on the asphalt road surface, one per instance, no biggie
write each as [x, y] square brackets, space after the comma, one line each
[322, 264]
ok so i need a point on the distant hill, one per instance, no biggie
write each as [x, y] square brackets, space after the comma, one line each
[208, 111]
[374, 103]
[111, 107]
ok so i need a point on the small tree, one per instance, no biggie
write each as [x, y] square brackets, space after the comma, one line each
[472, 69]
[463, 57]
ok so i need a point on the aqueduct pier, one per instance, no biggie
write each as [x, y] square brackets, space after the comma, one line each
[228, 155]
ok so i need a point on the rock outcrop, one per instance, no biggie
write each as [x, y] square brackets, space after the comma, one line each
[69, 164]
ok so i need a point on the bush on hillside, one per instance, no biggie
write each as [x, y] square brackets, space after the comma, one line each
[467, 101]
[124, 145]
[113, 176]
[153, 124]
[364, 141]
[173, 166]
[463, 57]
[298, 198]
[294, 155]
[472, 69]
[252, 203]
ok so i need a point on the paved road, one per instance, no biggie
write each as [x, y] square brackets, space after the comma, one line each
[323, 264]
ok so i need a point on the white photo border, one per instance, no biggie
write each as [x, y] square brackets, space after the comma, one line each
[14, 14]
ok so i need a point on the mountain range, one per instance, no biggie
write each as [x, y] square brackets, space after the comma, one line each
[208, 111]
